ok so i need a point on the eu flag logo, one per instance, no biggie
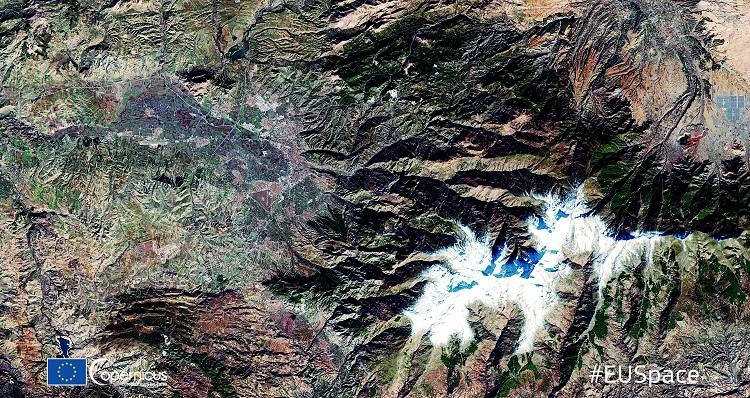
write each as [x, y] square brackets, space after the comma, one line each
[66, 371]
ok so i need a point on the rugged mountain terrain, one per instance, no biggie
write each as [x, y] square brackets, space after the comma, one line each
[252, 196]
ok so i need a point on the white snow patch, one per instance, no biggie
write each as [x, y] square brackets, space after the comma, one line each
[468, 274]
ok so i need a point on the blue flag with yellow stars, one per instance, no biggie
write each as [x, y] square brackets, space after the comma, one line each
[66, 371]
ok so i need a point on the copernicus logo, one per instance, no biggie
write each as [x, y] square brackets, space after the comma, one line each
[66, 371]
[102, 377]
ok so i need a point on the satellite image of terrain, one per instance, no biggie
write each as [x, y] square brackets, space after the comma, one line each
[374, 198]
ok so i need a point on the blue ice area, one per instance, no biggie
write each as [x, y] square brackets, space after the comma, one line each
[541, 224]
[490, 269]
[624, 236]
[462, 285]
[522, 265]
[681, 235]
[634, 235]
